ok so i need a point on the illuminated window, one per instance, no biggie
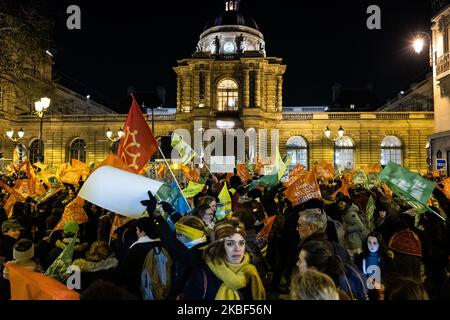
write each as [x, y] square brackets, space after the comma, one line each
[391, 150]
[344, 153]
[36, 151]
[227, 95]
[77, 150]
[297, 149]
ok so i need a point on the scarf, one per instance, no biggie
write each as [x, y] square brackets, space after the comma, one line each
[236, 276]
[195, 242]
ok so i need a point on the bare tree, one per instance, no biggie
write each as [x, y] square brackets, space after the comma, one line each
[24, 39]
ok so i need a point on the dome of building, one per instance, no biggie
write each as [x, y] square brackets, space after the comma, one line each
[232, 17]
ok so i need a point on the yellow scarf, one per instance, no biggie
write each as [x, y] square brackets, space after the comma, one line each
[236, 276]
[188, 231]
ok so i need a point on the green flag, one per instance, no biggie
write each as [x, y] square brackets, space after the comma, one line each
[407, 184]
[58, 269]
[268, 181]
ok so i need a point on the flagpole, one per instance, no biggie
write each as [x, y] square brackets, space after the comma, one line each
[173, 175]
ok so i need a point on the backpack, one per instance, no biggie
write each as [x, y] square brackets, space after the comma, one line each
[156, 274]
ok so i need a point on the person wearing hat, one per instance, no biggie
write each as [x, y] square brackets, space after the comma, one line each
[11, 231]
[185, 245]
[70, 230]
[406, 254]
[98, 263]
[227, 272]
[23, 254]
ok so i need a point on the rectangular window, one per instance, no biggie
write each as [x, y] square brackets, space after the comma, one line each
[251, 89]
[1, 98]
[202, 85]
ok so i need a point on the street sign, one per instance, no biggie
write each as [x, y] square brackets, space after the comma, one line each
[441, 164]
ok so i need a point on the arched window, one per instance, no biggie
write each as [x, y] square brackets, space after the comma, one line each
[115, 147]
[297, 148]
[227, 95]
[344, 153]
[36, 151]
[20, 153]
[77, 150]
[391, 150]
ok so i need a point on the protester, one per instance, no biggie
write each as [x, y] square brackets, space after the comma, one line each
[228, 273]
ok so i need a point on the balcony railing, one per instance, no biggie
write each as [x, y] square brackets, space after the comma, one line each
[443, 63]
[94, 117]
[358, 115]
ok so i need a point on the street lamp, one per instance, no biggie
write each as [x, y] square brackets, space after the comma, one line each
[419, 43]
[20, 134]
[40, 108]
[109, 135]
[327, 132]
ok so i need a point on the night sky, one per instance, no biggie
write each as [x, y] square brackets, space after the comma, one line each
[136, 43]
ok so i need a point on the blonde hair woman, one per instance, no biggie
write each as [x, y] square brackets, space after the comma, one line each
[313, 285]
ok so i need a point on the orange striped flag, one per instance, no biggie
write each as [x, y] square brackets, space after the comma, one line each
[30, 285]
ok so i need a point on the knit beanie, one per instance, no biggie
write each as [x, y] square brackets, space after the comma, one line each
[23, 250]
[406, 241]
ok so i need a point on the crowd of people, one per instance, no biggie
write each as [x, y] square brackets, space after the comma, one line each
[332, 248]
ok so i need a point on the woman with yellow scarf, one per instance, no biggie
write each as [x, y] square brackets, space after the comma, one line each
[227, 273]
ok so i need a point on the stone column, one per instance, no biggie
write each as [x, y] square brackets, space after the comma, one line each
[279, 104]
[258, 88]
[246, 89]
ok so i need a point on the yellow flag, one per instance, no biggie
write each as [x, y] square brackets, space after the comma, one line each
[224, 205]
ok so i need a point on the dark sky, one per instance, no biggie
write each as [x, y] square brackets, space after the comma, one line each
[136, 43]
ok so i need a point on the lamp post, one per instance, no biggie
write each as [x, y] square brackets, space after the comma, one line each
[10, 134]
[327, 132]
[40, 108]
[109, 135]
[419, 43]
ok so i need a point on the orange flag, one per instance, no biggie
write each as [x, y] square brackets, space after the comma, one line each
[446, 190]
[73, 211]
[268, 224]
[298, 169]
[113, 161]
[81, 167]
[191, 174]
[138, 143]
[118, 221]
[161, 170]
[303, 189]
[30, 285]
[343, 189]
[324, 170]
[243, 173]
